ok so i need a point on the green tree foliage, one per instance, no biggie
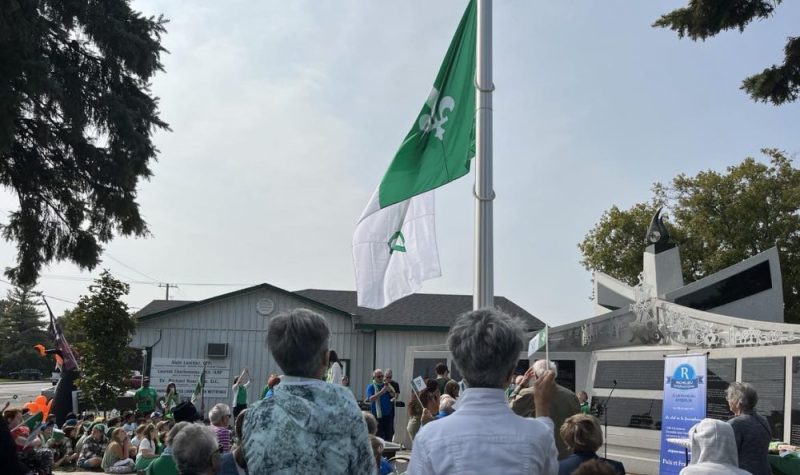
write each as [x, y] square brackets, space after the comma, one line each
[104, 320]
[718, 219]
[76, 120]
[705, 18]
[22, 325]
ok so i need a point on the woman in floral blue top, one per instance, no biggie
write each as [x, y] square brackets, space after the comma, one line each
[308, 425]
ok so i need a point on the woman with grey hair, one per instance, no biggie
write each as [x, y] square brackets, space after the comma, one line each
[751, 429]
[195, 451]
[307, 426]
[483, 432]
[220, 417]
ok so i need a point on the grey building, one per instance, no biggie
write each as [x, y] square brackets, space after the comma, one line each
[229, 333]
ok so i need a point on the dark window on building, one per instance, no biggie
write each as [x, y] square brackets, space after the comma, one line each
[768, 377]
[426, 367]
[744, 284]
[630, 374]
[629, 412]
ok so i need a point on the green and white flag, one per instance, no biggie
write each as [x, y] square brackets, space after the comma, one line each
[394, 245]
[537, 342]
[198, 388]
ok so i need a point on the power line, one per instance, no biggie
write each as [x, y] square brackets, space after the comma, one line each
[48, 296]
[78, 278]
[129, 267]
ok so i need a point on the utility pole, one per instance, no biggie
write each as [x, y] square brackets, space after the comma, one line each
[168, 287]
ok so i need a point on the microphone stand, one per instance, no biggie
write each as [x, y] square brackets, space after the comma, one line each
[605, 419]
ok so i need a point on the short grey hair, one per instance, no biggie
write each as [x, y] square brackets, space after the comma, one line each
[174, 431]
[218, 412]
[743, 394]
[298, 340]
[371, 421]
[540, 366]
[193, 448]
[486, 344]
[446, 403]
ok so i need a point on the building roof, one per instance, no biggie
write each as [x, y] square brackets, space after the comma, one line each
[157, 306]
[416, 311]
[430, 311]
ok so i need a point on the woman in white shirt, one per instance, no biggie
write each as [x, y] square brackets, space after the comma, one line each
[335, 370]
[147, 448]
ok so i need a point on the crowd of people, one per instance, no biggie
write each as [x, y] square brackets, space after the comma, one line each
[308, 421]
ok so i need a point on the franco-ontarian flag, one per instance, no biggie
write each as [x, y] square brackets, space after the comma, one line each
[394, 245]
[537, 342]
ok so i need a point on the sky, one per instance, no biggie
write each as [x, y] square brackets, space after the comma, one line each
[285, 115]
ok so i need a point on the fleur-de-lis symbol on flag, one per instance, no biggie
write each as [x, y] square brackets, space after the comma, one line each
[438, 116]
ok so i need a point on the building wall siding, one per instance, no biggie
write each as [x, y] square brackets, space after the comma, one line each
[234, 320]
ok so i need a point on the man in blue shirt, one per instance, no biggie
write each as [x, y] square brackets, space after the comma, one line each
[381, 403]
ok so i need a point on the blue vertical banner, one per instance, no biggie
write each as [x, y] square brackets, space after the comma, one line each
[684, 406]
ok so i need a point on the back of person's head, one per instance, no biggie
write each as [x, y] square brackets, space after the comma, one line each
[429, 400]
[118, 435]
[139, 431]
[713, 441]
[372, 423]
[333, 357]
[218, 413]
[150, 432]
[10, 414]
[540, 366]
[196, 451]
[594, 467]
[431, 385]
[451, 389]
[486, 344]
[581, 432]
[114, 422]
[743, 394]
[175, 431]
[446, 403]
[414, 407]
[377, 449]
[238, 431]
[298, 340]
[441, 369]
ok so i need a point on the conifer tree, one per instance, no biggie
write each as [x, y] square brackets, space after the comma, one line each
[702, 19]
[22, 326]
[76, 122]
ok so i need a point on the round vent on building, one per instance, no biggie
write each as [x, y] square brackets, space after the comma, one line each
[265, 306]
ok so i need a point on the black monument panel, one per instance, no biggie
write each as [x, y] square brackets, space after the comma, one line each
[566, 373]
[629, 412]
[630, 374]
[795, 431]
[426, 367]
[721, 373]
[768, 378]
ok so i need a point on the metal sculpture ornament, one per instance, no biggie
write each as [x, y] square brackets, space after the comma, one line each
[67, 362]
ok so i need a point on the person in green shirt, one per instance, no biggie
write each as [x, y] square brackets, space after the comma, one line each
[171, 399]
[164, 464]
[146, 398]
[240, 384]
[583, 398]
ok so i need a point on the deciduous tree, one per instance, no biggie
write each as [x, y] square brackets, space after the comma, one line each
[718, 219]
[104, 319]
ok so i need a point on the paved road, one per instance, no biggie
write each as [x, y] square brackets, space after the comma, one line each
[24, 391]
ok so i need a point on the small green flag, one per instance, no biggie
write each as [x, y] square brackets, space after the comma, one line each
[33, 421]
[441, 142]
[198, 388]
[537, 342]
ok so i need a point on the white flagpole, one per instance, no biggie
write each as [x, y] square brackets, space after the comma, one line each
[547, 345]
[483, 286]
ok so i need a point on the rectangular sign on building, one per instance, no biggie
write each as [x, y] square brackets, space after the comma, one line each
[184, 372]
[684, 406]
